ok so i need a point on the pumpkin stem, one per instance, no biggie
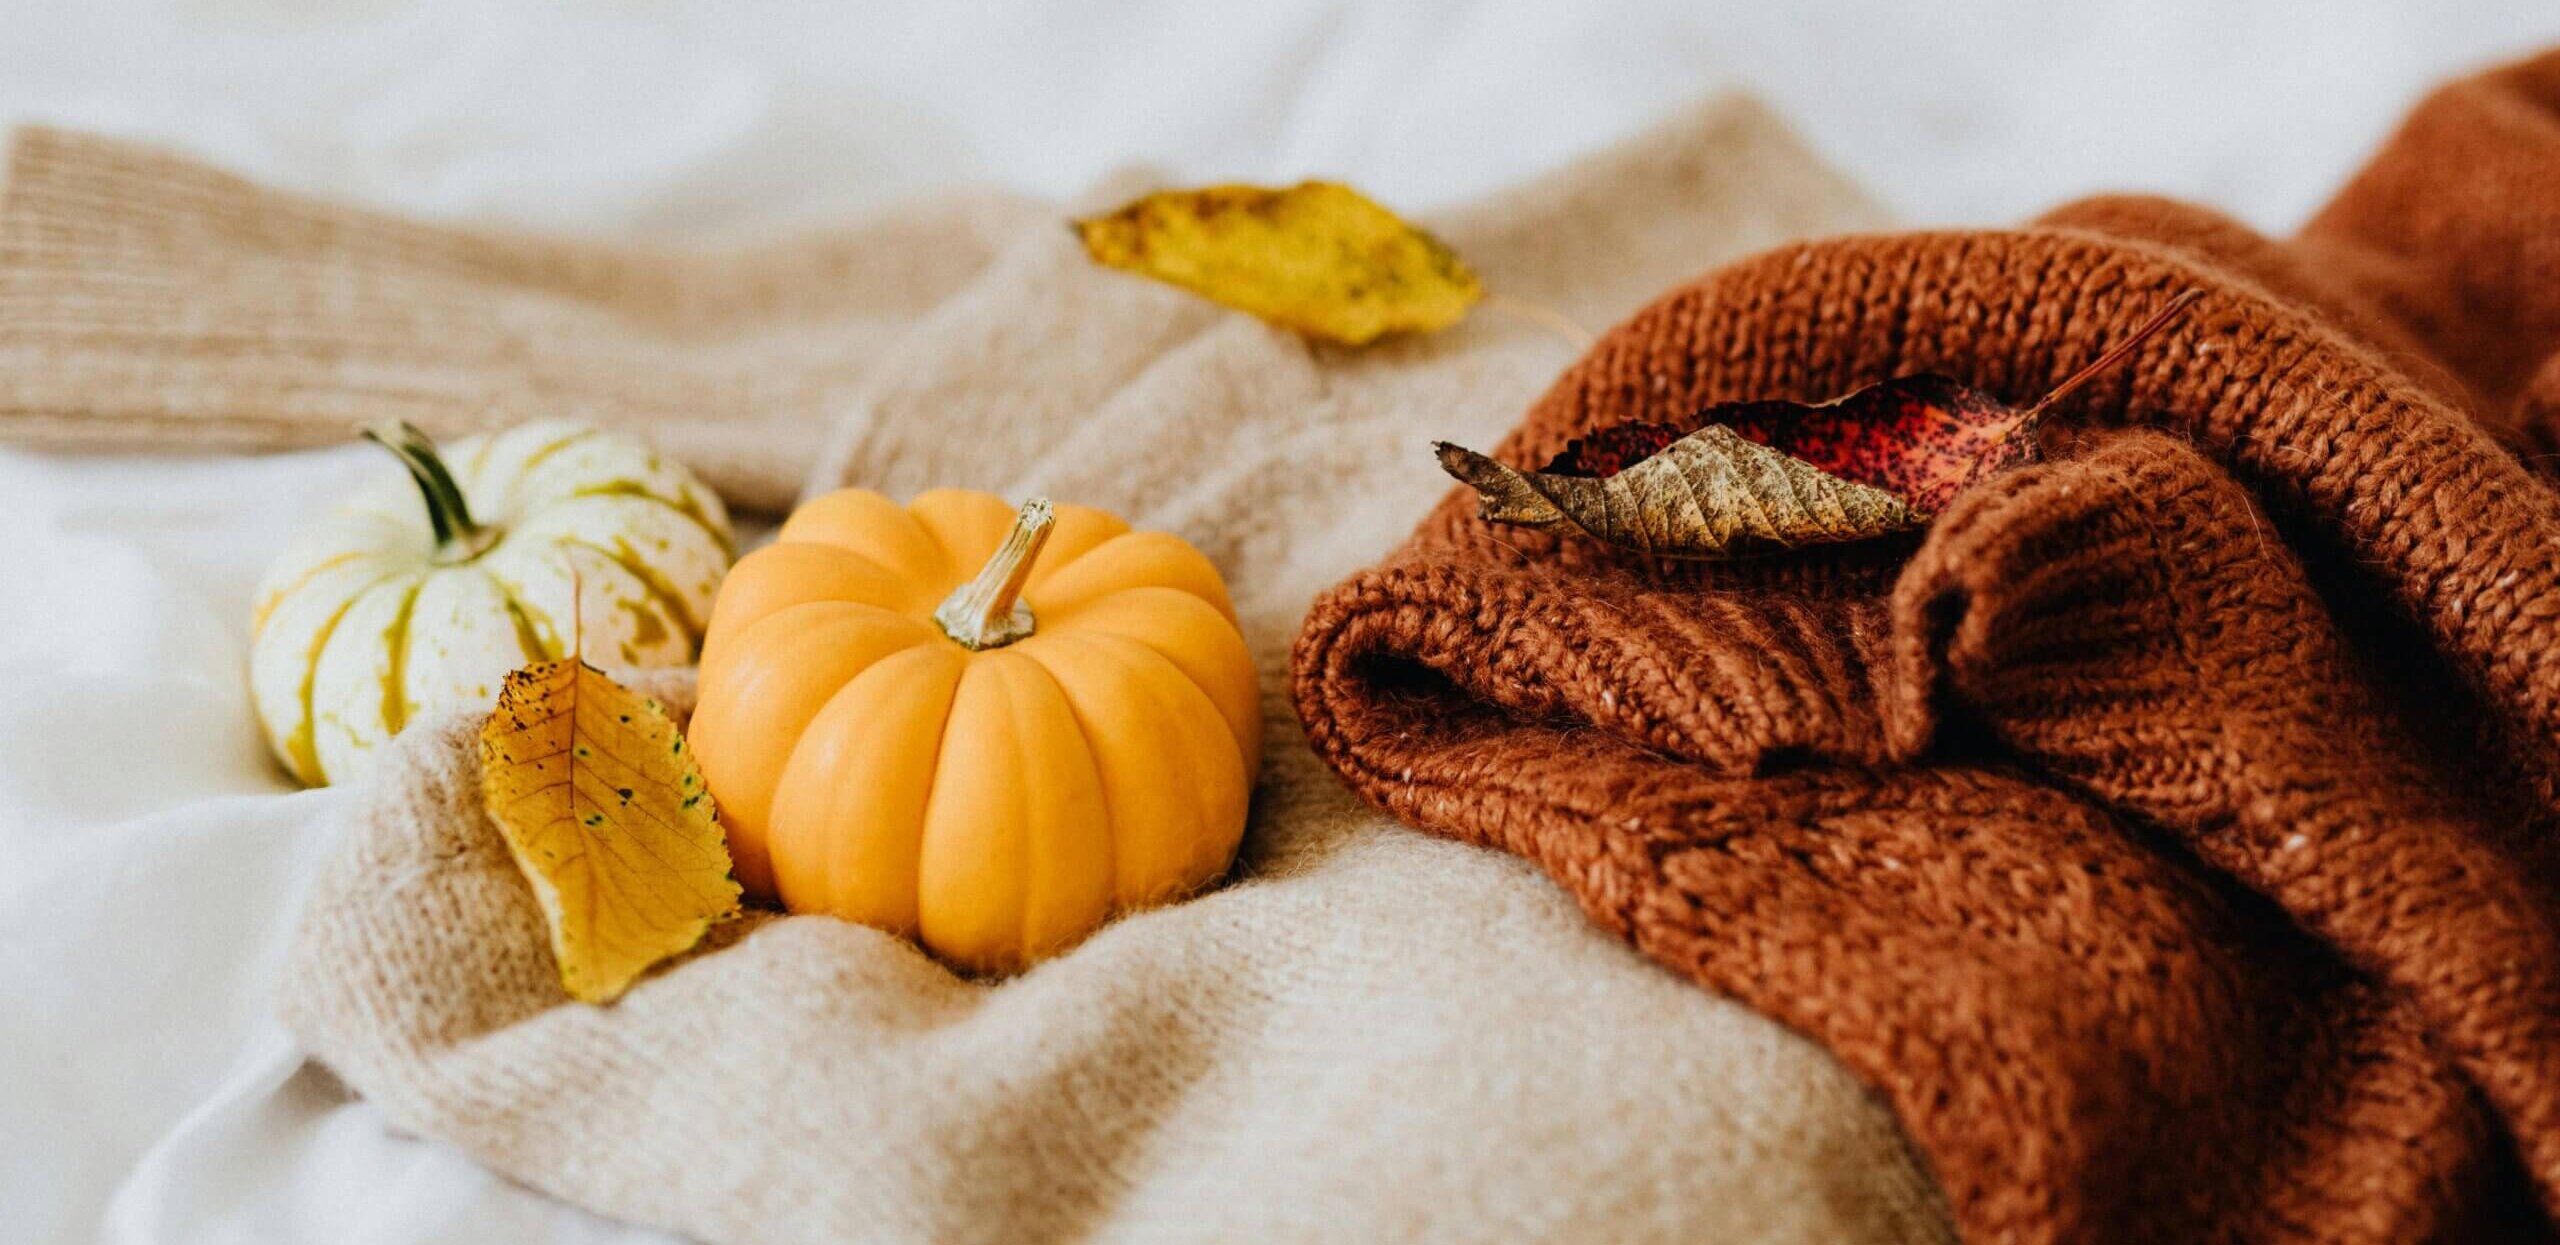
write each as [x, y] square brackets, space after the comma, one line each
[987, 612]
[447, 515]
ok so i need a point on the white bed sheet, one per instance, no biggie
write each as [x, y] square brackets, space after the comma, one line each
[151, 859]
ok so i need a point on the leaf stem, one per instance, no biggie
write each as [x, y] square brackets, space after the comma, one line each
[448, 516]
[2115, 353]
[1543, 316]
[987, 612]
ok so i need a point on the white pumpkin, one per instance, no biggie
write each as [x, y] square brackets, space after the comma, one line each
[391, 608]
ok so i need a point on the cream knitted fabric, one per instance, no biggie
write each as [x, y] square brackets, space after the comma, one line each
[1369, 1035]
[149, 303]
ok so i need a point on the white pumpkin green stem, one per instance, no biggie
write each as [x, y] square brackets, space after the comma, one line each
[458, 539]
[987, 612]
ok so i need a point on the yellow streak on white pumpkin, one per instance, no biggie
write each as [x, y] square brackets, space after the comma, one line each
[534, 460]
[395, 675]
[301, 748]
[266, 606]
[658, 589]
[531, 623]
[687, 505]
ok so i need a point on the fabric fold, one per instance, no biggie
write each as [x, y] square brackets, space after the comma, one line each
[2180, 868]
[1367, 1034]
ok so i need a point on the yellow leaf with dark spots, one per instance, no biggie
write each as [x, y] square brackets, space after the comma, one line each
[1318, 257]
[597, 796]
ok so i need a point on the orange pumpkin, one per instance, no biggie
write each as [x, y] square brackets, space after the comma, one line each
[989, 730]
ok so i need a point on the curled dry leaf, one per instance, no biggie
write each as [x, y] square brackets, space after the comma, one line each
[1706, 495]
[1318, 257]
[1775, 475]
[596, 795]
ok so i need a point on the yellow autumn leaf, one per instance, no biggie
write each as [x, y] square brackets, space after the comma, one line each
[1318, 257]
[594, 791]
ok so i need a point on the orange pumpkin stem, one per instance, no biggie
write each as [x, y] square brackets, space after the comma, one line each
[987, 612]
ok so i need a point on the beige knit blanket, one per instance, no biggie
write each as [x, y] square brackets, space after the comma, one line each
[1368, 1035]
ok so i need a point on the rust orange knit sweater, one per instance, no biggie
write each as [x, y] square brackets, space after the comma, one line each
[2168, 832]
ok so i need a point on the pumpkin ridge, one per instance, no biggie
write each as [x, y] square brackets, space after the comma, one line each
[486, 443]
[1229, 748]
[266, 607]
[934, 785]
[824, 516]
[744, 639]
[480, 455]
[532, 462]
[1234, 748]
[947, 515]
[794, 617]
[528, 640]
[597, 587]
[1024, 729]
[751, 570]
[651, 583]
[1070, 517]
[832, 845]
[1033, 699]
[687, 507]
[1134, 561]
[1018, 733]
[1081, 617]
[302, 747]
[1123, 661]
[1111, 818]
[395, 683]
[645, 535]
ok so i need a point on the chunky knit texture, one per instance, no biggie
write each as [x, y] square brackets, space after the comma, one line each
[2167, 832]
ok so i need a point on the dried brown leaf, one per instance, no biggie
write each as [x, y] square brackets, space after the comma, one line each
[1710, 494]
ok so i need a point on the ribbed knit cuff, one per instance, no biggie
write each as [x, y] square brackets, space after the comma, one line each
[150, 303]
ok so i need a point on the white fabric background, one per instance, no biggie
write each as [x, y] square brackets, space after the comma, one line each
[151, 859]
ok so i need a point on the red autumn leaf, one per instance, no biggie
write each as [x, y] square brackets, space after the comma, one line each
[1923, 437]
[1614, 449]
[1779, 474]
